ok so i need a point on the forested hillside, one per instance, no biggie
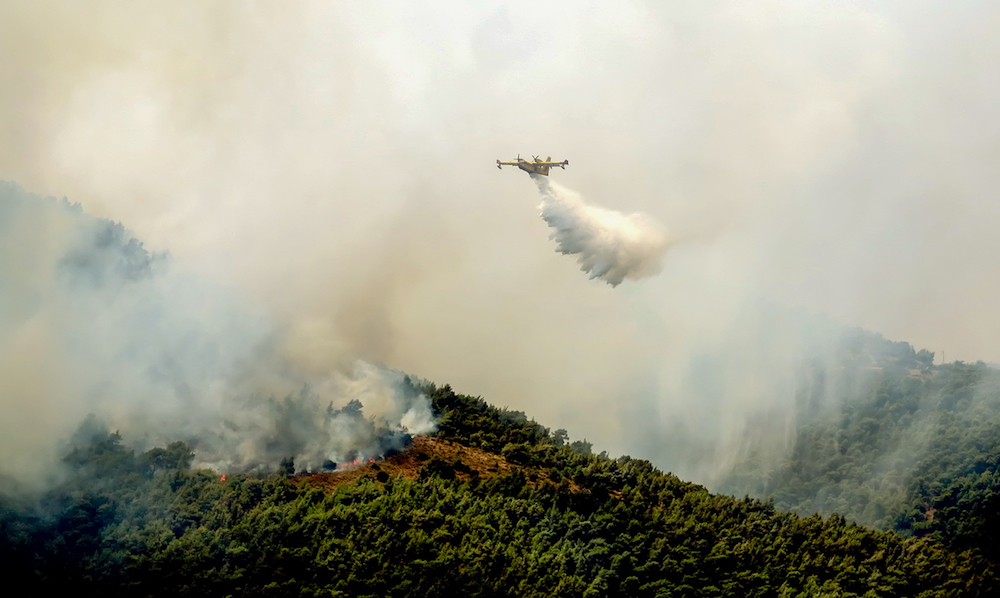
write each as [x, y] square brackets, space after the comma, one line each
[916, 449]
[495, 505]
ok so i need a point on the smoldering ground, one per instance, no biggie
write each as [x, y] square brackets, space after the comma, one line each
[333, 163]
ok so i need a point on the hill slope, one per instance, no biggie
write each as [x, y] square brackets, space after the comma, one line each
[496, 505]
[917, 452]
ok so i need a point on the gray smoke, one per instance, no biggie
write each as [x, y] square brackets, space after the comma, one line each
[91, 322]
[609, 245]
[382, 409]
[835, 158]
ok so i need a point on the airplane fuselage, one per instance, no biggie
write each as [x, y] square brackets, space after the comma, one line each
[532, 168]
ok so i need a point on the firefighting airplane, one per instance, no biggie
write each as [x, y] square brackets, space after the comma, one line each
[535, 167]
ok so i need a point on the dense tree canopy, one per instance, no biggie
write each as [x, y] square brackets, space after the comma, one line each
[553, 522]
[916, 450]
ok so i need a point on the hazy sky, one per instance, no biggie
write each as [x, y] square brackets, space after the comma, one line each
[334, 163]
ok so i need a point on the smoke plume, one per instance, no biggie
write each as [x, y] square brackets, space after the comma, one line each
[317, 160]
[609, 245]
[91, 322]
[377, 411]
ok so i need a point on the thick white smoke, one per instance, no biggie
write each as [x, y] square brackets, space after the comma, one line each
[358, 415]
[610, 245]
[93, 323]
